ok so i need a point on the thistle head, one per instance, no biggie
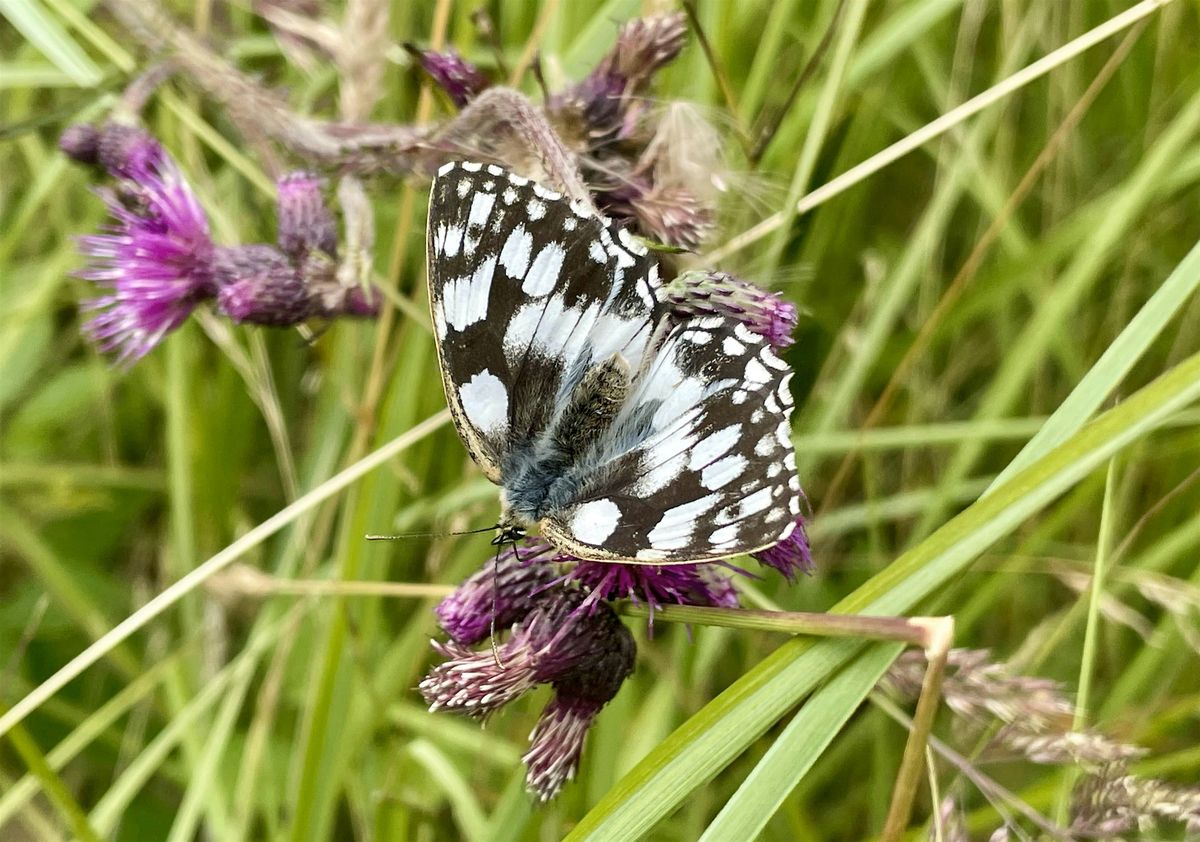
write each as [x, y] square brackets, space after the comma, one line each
[792, 555]
[153, 258]
[584, 656]
[305, 223]
[509, 587]
[679, 584]
[604, 103]
[460, 79]
[719, 293]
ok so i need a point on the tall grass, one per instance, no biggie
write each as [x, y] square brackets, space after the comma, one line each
[997, 376]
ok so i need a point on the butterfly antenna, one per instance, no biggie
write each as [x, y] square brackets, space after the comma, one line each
[401, 535]
[495, 603]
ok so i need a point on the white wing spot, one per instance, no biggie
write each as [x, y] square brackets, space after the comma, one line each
[594, 521]
[543, 274]
[739, 396]
[746, 334]
[773, 361]
[757, 373]
[466, 298]
[597, 253]
[535, 209]
[650, 554]
[544, 192]
[675, 528]
[714, 446]
[726, 534]
[509, 196]
[485, 402]
[732, 347]
[445, 168]
[495, 170]
[514, 257]
[490, 184]
[630, 242]
[463, 188]
[570, 223]
[453, 240]
[472, 166]
[723, 471]
[698, 337]
[518, 180]
[481, 208]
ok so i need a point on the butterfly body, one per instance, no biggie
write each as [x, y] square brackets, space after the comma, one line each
[620, 433]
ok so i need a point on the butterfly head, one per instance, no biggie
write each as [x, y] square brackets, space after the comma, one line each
[510, 533]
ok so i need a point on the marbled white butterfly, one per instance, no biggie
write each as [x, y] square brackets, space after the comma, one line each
[622, 433]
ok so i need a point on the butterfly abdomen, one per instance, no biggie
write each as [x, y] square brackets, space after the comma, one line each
[541, 475]
[592, 406]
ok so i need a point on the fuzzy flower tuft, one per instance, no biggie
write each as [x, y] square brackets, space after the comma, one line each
[707, 293]
[154, 258]
[792, 555]
[455, 75]
[584, 656]
[511, 587]
[681, 584]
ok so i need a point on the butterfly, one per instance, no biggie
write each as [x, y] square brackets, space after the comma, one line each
[621, 432]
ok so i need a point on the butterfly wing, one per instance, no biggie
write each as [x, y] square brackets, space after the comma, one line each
[699, 464]
[527, 291]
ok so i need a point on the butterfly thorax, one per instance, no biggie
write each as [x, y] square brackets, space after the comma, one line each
[544, 474]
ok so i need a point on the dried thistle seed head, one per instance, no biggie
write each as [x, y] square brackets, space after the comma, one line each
[510, 587]
[706, 293]
[603, 106]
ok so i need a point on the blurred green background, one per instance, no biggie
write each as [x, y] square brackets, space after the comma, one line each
[973, 284]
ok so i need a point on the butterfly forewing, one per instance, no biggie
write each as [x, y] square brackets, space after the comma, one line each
[700, 464]
[527, 290]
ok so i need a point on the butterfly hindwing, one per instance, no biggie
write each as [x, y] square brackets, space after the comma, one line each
[527, 290]
[700, 463]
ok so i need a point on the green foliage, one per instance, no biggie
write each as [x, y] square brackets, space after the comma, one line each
[1071, 340]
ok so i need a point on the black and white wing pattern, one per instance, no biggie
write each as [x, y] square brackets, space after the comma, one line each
[527, 291]
[624, 436]
[699, 464]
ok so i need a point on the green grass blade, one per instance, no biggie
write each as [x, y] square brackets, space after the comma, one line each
[1116, 361]
[52, 40]
[708, 741]
[797, 748]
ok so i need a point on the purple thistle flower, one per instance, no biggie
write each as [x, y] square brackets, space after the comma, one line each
[584, 656]
[124, 152]
[259, 284]
[154, 257]
[792, 555]
[511, 587]
[706, 293]
[455, 75]
[305, 223]
[681, 584]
